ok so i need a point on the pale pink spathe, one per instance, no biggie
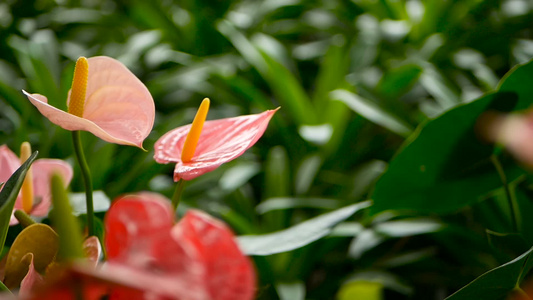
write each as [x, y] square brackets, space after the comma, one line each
[42, 173]
[515, 132]
[118, 107]
[221, 141]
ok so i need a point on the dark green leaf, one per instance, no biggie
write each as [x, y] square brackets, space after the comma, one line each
[9, 194]
[498, 282]
[444, 166]
[518, 80]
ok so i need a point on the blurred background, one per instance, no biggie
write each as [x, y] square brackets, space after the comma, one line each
[353, 79]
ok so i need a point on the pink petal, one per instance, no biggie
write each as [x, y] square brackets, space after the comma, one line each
[69, 283]
[515, 132]
[31, 281]
[42, 172]
[221, 141]
[9, 163]
[159, 265]
[43, 169]
[118, 107]
[132, 218]
[92, 249]
[229, 274]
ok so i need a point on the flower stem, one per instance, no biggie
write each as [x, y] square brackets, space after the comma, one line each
[508, 194]
[23, 218]
[86, 174]
[177, 194]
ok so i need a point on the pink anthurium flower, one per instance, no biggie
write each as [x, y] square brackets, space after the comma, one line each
[42, 170]
[116, 107]
[219, 141]
[514, 131]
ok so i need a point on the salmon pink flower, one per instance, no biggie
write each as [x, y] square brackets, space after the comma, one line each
[107, 100]
[197, 150]
[38, 197]
[197, 258]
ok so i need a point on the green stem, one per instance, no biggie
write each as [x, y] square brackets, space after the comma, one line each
[86, 174]
[4, 289]
[508, 194]
[177, 194]
[23, 218]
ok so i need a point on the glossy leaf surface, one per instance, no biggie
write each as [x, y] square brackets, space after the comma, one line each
[298, 235]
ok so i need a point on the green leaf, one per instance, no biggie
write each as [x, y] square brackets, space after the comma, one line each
[101, 202]
[291, 291]
[298, 235]
[9, 194]
[66, 225]
[398, 81]
[444, 166]
[372, 112]
[284, 85]
[370, 284]
[498, 282]
[518, 80]
[283, 203]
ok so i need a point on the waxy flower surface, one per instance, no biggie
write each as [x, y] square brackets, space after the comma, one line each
[107, 100]
[196, 259]
[42, 170]
[220, 141]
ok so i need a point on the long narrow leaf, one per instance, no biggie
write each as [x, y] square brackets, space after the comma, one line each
[9, 194]
[372, 112]
[298, 235]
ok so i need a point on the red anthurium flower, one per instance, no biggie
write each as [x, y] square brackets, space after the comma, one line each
[42, 170]
[196, 258]
[116, 107]
[219, 141]
[150, 257]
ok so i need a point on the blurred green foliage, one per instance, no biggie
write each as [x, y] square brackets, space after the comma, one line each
[353, 79]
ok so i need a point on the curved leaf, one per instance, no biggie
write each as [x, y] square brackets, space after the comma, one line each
[298, 235]
[498, 282]
[444, 166]
[9, 194]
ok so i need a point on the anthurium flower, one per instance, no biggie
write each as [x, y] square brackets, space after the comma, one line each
[197, 150]
[107, 100]
[514, 131]
[196, 258]
[42, 170]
